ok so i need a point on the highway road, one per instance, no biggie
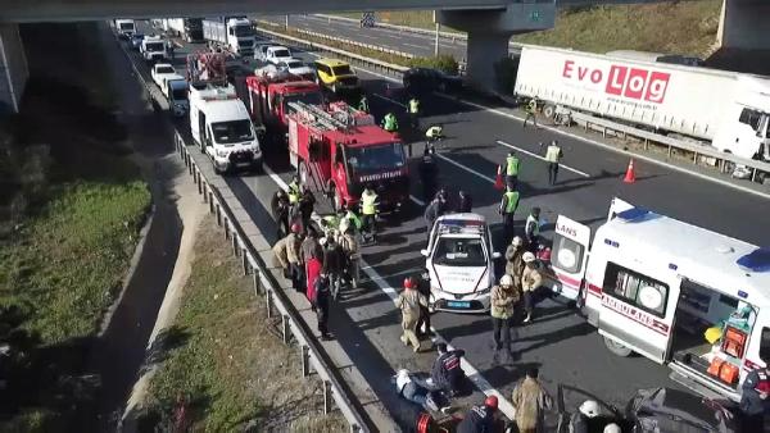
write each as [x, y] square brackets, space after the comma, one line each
[566, 349]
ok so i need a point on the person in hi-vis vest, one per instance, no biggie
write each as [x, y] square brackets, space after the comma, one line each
[508, 206]
[511, 170]
[553, 155]
[531, 110]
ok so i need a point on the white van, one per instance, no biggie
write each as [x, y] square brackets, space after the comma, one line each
[125, 27]
[654, 285]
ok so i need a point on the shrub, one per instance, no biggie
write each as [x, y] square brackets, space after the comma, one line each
[443, 62]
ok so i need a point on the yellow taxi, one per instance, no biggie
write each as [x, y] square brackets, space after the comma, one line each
[336, 75]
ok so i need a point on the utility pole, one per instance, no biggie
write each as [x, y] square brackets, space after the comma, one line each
[438, 31]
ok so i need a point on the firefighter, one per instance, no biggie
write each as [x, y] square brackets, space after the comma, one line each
[514, 259]
[531, 400]
[294, 190]
[531, 110]
[349, 244]
[428, 173]
[755, 403]
[390, 123]
[434, 134]
[363, 104]
[512, 165]
[532, 230]
[480, 419]
[446, 373]
[280, 207]
[321, 303]
[306, 205]
[553, 154]
[413, 109]
[409, 302]
[369, 211]
[508, 206]
[464, 202]
[587, 419]
[504, 297]
[530, 281]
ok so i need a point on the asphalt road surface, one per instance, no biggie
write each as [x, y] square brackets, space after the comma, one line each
[558, 341]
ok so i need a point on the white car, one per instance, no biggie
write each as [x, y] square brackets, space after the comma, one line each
[460, 263]
[277, 54]
[298, 68]
[161, 72]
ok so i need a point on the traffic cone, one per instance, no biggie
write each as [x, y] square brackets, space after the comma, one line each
[499, 178]
[630, 174]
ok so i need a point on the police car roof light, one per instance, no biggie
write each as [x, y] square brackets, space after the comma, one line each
[635, 214]
[756, 261]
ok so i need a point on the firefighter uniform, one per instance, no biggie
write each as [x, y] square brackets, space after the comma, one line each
[390, 123]
[508, 206]
[553, 154]
[531, 113]
[409, 302]
[369, 211]
[512, 164]
[531, 401]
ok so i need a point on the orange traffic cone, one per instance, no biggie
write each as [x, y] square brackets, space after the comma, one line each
[499, 178]
[630, 174]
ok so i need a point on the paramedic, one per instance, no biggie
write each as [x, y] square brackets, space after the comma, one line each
[754, 401]
[446, 372]
[480, 419]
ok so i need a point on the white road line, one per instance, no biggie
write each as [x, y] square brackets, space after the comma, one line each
[534, 155]
[609, 147]
[407, 44]
[396, 274]
[468, 169]
[417, 200]
[389, 100]
[473, 374]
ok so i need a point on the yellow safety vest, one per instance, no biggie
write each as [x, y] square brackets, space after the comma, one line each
[368, 203]
[512, 166]
[414, 106]
[553, 153]
[513, 201]
[293, 193]
[351, 216]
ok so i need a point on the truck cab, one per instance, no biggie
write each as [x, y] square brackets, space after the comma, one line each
[675, 293]
[745, 130]
[125, 28]
[241, 36]
[153, 49]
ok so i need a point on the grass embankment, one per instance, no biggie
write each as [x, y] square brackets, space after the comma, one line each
[225, 361]
[72, 206]
[679, 27]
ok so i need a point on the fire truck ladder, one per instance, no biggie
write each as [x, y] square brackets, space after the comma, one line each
[318, 116]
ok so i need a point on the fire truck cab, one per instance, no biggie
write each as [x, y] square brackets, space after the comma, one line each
[675, 293]
[270, 97]
[339, 150]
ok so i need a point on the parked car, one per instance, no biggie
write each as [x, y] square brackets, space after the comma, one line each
[460, 263]
[299, 68]
[425, 80]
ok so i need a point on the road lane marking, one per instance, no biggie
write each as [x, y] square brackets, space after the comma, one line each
[377, 95]
[612, 148]
[534, 155]
[472, 373]
[407, 44]
[417, 200]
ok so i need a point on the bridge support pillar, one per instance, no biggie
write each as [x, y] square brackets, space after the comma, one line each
[490, 31]
[744, 25]
[13, 68]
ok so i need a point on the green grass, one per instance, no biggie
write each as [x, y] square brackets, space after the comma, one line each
[679, 27]
[224, 359]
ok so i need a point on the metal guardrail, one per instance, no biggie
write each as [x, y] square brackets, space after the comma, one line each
[292, 324]
[592, 122]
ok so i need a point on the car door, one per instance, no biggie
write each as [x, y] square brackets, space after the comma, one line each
[569, 256]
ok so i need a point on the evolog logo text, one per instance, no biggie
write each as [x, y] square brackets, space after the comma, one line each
[629, 82]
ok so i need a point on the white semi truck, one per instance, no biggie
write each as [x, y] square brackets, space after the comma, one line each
[125, 28]
[234, 34]
[729, 110]
[219, 121]
[189, 29]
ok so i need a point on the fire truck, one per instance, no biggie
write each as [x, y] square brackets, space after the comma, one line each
[340, 150]
[270, 96]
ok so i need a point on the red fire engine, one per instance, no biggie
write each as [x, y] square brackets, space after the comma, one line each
[270, 96]
[340, 150]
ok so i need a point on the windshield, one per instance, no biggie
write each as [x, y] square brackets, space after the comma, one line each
[152, 47]
[459, 252]
[312, 98]
[232, 132]
[295, 65]
[281, 53]
[342, 70]
[242, 31]
[164, 70]
[179, 94]
[245, 42]
[375, 158]
[126, 26]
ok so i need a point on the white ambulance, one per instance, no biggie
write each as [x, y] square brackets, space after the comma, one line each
[675, 293]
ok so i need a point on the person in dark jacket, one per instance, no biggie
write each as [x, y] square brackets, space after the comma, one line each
[306, 205]
[280, 208]
[465, 202]
[333, 264]
[321, 303]
[423, 324]
[434, 210]
[429, 172]
[754, 400]
[480, 419]
[446, 372]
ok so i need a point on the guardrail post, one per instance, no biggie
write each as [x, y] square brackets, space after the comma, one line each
[753, 175]
[205, 196]
[285, 330]
[646, 144]
[219, 215]
[210, 200]
[304, 353]
[200, 183]
[670, 150]
[269, 304]
[235, 243]
[328, 400]
[189, 165]
[695, 158]
[255, 279]
[245, 261]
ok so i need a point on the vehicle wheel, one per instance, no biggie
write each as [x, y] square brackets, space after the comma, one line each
[617, 348]
[549, 110]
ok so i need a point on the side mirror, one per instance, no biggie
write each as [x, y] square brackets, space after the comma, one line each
[496, 255]
[424, 253]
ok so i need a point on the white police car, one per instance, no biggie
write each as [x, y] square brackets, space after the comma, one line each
[460, 263]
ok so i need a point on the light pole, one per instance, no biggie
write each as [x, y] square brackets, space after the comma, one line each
[287, 22]
[437, 45]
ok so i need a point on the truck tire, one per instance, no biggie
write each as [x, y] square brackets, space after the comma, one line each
[549, 110]
[617, 348]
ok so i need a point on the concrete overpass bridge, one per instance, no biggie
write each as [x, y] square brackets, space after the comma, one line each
[489, 23]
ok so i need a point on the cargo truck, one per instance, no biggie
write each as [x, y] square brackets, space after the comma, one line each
[727, 110]
[219, 122]
[234, 34]
[339, 150]
[189, 29]
[125, 28]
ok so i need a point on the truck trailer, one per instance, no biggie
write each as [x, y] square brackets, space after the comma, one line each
[339, 150]
[727, 110]
[234, 34]
[189, 29]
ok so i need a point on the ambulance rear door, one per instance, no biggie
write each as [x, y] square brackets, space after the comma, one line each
[569, 256]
